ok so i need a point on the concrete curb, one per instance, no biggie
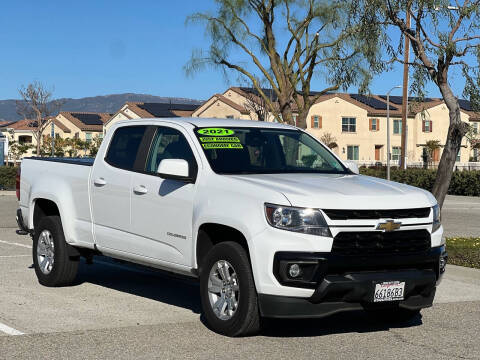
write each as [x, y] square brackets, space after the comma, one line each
[8, 193]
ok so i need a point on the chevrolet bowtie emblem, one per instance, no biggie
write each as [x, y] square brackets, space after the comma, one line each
[389, 225]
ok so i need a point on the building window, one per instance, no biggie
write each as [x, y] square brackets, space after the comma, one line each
[458, 155]
[396, 153]
[25, 139]
[374, 125]
[427, 126]
[88, 137]
[77, 135]
[352, 152]
[397, 126]
[349, 125]
[316, 122]
[475, 155]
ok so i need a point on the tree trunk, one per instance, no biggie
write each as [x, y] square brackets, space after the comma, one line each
[302, 120]
[456, 131]
[38, 144]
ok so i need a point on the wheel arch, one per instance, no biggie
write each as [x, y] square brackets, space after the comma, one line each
[217, 233]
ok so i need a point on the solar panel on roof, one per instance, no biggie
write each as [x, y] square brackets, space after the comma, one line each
[268, 92]
[165, 109]
[465, 105]
[399, 99]
[89, 119]
[372, 102]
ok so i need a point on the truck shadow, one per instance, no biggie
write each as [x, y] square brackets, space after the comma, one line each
[184, 292]
[347, 322]
[141, 281]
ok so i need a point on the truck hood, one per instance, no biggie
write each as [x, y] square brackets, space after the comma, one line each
[329, 191]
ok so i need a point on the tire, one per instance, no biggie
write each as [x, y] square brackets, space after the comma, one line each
[64, 269]
[399, 315]
[244, 319]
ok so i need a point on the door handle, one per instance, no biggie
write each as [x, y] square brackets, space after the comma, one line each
[140, 190]
[100, 181]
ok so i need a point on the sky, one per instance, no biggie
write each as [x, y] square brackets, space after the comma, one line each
[88, 48]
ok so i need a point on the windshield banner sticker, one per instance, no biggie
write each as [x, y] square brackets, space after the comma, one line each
[216, 145]
[220, 139]
[215, 132]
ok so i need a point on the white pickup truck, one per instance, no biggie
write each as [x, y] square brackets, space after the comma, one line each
[271, 221]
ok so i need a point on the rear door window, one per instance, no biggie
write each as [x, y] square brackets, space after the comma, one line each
[124, 147]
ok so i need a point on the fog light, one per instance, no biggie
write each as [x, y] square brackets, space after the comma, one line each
[294, 271]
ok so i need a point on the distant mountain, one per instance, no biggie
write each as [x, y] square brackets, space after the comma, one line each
[106, 103]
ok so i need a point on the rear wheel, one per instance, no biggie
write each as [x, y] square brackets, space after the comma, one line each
[227, 290]
[53, 265]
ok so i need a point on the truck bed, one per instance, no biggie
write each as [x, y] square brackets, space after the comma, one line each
[85, 161]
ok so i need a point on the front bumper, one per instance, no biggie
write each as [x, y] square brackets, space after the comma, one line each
[344, 283]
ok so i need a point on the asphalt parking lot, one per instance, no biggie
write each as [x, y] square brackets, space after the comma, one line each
[121, 311]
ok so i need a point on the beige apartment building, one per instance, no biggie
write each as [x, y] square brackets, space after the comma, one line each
[138, 110]
[358, 123]
[67, 124]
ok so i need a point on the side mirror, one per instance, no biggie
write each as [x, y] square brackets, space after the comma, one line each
[352, 166]
[175, 169]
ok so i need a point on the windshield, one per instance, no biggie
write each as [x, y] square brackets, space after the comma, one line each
[265, 151]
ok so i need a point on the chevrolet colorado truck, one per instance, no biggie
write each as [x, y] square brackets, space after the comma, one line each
[271, 222]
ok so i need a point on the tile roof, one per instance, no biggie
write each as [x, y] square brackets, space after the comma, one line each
[375, 105]
[25, 124]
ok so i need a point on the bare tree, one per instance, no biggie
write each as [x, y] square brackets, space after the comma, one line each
[36, 105]
[443, 37]
[288, 42]
[329, 140]
[257, 105]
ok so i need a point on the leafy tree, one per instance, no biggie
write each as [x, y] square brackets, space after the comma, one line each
[59, 150]
[75, 145]
[288, 42]
[16, 150]
[443, 37]
[94, 145]
[432, 146]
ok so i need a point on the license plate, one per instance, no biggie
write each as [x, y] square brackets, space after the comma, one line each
[389, 291]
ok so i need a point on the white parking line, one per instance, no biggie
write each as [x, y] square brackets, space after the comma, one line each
[8, 330]
[13, 256]
[17, 244]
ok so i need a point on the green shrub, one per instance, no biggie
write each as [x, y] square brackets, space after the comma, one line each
[465, 182]
[464, 251]
[7, 177]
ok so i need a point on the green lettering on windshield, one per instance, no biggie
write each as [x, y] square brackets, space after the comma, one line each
[222, 146]
[215, 132]
[220, 139]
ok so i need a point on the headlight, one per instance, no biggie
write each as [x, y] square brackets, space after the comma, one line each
[436, 218]
[303, 220]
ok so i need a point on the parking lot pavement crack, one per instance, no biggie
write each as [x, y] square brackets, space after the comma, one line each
[433, 349]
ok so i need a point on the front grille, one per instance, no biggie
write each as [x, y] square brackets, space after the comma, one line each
[381, 243]
[377, 214]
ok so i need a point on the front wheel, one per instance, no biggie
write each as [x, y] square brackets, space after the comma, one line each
[227, 291]
[53, 265]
